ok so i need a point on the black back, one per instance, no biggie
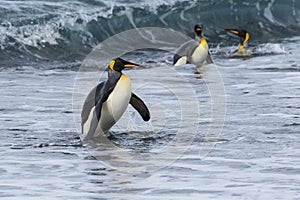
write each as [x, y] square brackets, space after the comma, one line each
[98, 95]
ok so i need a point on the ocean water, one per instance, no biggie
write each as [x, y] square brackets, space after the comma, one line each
[223, 131]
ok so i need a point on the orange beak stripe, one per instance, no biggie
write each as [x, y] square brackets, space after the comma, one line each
[130, 65]
[234, 32]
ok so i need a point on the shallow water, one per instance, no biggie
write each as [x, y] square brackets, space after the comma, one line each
[255, 157]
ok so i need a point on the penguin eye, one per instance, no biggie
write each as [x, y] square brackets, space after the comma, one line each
[112, 64]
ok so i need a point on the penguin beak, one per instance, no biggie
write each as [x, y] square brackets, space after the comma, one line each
[130, 65]
[234, 31]
[198, 29]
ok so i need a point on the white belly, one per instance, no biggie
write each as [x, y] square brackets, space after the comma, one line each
[181, 61]
[113, 108]
[199, 55]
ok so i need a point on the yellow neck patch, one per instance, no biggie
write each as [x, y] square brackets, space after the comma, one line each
[247, 38]
[111, 64]
[124, 77]
[202, 41]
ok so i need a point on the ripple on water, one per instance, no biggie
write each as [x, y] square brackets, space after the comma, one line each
[256, 157]
[282, 170]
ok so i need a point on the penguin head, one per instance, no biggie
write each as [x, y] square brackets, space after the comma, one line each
[243, 34]
[198, 29]
[118, 64]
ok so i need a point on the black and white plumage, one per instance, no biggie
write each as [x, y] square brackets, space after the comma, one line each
[107, 102]
[244, 38]
[194, 51]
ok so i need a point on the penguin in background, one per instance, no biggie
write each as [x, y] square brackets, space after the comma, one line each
[194, 51]
[244, 38]
[106, 103]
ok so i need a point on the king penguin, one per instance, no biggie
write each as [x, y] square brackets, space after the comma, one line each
[244, 38]
[194, 51]
[106, 103]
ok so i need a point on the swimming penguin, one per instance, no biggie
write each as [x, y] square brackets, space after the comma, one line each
[107, 102]
[244, 37]
[194, 51]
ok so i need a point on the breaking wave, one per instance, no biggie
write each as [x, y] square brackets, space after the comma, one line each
[67, 30]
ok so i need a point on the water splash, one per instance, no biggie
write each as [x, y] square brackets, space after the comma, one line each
[67, 30]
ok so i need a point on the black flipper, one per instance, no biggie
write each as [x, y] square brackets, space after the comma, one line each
[94, 125]
[90, 102]
[96, 97]
[209, 59]
[140, 106]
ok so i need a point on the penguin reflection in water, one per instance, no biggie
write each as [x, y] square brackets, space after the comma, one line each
[107, 102]
[194, 51]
